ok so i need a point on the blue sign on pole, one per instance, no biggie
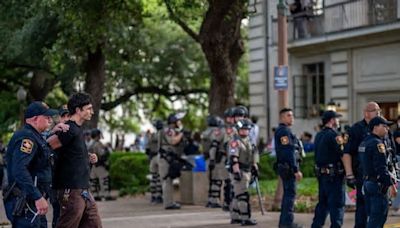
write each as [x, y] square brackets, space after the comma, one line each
[281, 77]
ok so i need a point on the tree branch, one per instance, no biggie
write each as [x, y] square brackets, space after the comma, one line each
[26, 66]
[150, 90]
[182, 24]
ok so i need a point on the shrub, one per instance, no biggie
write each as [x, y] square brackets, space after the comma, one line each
[128, 172]
[267, 162]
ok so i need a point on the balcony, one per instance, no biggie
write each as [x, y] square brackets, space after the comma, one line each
[338, 17]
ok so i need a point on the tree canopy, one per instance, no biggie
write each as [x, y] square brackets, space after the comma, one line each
[125, 53]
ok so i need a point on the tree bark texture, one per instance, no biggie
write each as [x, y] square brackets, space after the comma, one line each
[40, 85]
[221, 41]
[94, 83]
[222, 44]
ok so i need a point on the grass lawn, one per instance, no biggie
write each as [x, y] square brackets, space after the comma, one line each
[307, 194]
[306, 187]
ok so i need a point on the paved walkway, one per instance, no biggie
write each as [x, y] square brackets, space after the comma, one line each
[138, 212]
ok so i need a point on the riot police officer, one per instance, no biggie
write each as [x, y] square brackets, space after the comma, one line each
[330, 172]
[229, 132]
[356, 135]
[99, 175]
[286, 146]
[213, 137]
[152, 152]
[29, 170]
[169, 167]
[377, 180]
[243, 161]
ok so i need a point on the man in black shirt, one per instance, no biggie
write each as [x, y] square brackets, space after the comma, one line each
[71, 176]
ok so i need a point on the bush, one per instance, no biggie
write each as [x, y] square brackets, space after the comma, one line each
[128, 172]
[267, 171]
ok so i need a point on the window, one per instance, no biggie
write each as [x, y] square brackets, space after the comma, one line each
[309, 91]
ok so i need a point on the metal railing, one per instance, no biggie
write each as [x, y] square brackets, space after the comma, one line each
[343, 16]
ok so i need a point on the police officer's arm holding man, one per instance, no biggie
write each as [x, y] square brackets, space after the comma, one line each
[28, 165]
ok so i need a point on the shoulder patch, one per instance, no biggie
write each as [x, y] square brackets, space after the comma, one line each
[345, 138]
[170, 132]
[217, 132]
[284, 140]
[339, 140]
[234, 144]
[381, 148]
[26, 146]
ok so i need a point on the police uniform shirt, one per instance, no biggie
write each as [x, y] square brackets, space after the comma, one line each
[217, 138]
[285, 146]
[355, 136]
[373, 159]
[242, 149]
[166, 143]
[28, 160]
[72, 167]
[230, 132]
[328, 147]
[153, 144]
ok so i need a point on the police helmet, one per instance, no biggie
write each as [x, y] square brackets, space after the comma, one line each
[241, 111]
[214, 121]
[244, 124]
[229, 112]
[173, 118]
[158, 124]
[95, 133]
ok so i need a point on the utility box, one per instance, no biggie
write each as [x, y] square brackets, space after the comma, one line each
[193, 184]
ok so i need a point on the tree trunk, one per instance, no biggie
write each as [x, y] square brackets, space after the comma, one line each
[222, 45]
[40, 85]
[94, 84]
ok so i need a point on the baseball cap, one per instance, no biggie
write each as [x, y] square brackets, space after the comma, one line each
[63, 110]
[327, 115]
[378, 120]
[38, 108]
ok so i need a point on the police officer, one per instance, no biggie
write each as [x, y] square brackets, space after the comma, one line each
[214, 136]
[99, 175]
[243, 161]
[229, 132]
[377, 180]
[152, 152]
[29, 171]
[286, 146]
[356, 135]
[330, 172]
[171, 137]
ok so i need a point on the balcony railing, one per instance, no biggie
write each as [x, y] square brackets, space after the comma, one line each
[338, 17]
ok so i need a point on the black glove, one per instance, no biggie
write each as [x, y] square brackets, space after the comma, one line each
[254, 172]
[237, 176]
[211, 165]
[351, 181]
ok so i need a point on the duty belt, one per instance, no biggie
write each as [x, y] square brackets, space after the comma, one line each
[371, 178]
[244, 167]
[330, 169]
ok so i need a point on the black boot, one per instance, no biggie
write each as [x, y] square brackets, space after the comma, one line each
[249, 222]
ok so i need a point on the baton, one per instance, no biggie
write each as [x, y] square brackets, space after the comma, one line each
[259, 195]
